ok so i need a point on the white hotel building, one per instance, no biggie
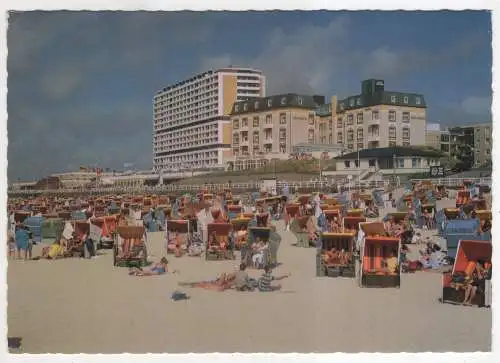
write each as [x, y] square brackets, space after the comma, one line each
[192, 127]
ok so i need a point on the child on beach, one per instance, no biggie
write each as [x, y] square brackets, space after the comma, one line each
[11, 245]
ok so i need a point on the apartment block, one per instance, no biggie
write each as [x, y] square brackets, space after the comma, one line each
[476, 138]
[192, 128]
[378, 118]
[272, 125]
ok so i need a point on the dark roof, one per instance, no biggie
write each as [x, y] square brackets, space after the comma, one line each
[275, 102]
[383, 98]
[324, 110]
[389, 152]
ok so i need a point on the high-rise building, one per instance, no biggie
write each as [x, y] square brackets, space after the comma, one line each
[379, 118]
[192, 128]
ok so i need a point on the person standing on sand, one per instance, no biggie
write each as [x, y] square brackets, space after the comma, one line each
[204, 218]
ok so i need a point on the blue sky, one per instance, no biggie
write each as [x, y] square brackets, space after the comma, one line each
[80, 85]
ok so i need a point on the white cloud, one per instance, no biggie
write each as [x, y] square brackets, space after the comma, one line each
[318, 59]
[474, 105]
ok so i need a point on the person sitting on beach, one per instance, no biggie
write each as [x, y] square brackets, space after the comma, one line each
[241, 279]
[485, 225]
[259, 249]
[174, 243]
[475, 283]
[330, 257]
[391, 263]
[159, 268]
[428, 219]
[265, 281]
[241, 237]
[371, 212]
[335, 226]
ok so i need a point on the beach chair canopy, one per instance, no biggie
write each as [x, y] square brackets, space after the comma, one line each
[220, 229]
[339, 241]
[127, 232]
[259, 232]
[471, 250]
[240, 222]
[179, 225]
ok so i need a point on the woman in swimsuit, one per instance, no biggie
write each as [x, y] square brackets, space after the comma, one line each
[159, 268]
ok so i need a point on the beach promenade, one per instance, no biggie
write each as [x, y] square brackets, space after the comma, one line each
[89, 306]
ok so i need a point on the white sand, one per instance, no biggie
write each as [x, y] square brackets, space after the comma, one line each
[74, 306]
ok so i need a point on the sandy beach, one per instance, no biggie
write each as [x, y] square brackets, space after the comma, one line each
[89, 306]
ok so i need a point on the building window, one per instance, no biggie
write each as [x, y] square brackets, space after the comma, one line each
[392, 132]
[406, 133]
[236, 124]
[269, 102]
[244, 122]
[339, 138]
[300, 101]
[256, 137]
[406, 117]
[350, 136]
[406, 143]
[400, 163]
[359, 118]
[360, 146]
[350, 119]
[358, 102]
[245, 107]
[416, 162]
[256, 121]
[347, 163]
[311, 119]
[393, 99]
[236, 139]
[283, 101]
[360, 134]
[375, 115]
[405, 99]
[339, 122]
[351, 102]
[282, 134]
[256, 105]
[350, 146]
[418, 101]
[282, 119]
[269, 119]
[371, 162]
[392, 116]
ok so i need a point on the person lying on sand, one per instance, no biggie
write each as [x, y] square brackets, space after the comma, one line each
[54, 251]
[159, 268]
[223, 282]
